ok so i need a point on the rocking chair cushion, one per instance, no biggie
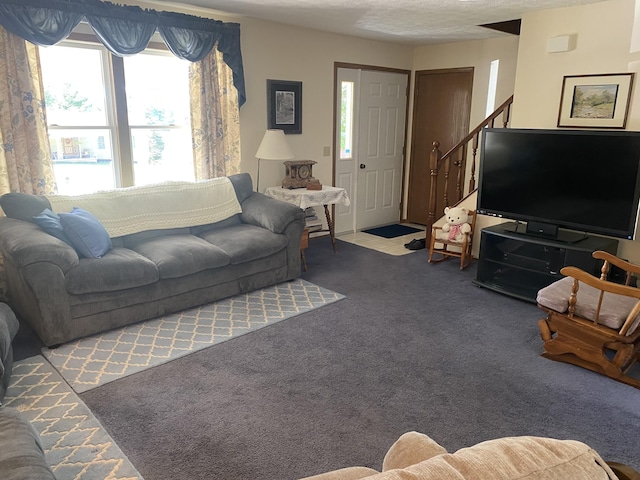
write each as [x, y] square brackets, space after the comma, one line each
[613, 312]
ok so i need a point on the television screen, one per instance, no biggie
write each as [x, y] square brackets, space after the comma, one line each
[580, 180]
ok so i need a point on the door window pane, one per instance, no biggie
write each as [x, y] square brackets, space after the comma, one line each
[346, 121]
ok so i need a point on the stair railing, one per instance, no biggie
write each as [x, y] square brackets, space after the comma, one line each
[455, 157]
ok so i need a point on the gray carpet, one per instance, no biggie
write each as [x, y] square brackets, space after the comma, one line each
[93, 361]
[413, 346]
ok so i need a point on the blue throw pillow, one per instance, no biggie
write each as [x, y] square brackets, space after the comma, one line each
[50, 223]
[86, 233]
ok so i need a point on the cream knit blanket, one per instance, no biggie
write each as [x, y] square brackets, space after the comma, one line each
[163, 205]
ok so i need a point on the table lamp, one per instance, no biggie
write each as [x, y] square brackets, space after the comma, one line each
[274, 146]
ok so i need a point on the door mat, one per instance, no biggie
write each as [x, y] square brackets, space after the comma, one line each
[392, 231]
[76, 445]
[93, 361]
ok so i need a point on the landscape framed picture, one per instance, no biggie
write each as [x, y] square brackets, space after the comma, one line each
[595, 101]
[284, 105]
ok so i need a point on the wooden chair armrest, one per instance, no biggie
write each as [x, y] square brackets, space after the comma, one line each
[618, 262]
[606, 286]
[603, 285]
[624, 472]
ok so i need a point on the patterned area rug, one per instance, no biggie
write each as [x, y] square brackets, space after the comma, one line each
[76, 445]
[93, 361]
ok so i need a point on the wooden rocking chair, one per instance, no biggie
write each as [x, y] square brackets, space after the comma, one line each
[441, 248]
[593, 322]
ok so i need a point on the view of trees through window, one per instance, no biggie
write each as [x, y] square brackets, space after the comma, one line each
[81, 94]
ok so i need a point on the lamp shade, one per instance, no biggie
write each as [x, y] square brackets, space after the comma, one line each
[274, 146]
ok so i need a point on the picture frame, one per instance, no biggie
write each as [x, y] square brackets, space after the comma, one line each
[284, 106]
[595, 101]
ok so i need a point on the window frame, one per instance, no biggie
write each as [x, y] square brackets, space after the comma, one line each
[115, 104]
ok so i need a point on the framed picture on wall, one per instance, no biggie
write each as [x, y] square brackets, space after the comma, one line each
[284, 105]
[595, 101]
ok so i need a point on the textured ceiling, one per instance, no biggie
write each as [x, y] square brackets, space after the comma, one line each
[413, 22]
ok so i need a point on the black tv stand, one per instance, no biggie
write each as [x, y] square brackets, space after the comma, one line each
[563, 236]
[519, 264]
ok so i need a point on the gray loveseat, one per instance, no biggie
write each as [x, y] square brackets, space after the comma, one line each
[151, 272]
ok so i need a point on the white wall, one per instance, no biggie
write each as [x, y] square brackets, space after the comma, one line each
[281, 52]
[272, 51]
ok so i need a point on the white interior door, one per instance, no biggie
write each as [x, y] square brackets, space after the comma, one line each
[382, 113]
[371, 170]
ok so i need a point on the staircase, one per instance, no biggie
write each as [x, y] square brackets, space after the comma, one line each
[441, 165]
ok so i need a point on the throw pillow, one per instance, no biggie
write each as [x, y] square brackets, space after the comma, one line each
[86, 233]
[50, 223]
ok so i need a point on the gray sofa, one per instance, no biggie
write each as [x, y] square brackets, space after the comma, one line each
[21, 454]
[64, 296]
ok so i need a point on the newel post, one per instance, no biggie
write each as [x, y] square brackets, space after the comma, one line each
[434, 160]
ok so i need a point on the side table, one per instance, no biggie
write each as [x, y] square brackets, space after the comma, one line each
[304, 198]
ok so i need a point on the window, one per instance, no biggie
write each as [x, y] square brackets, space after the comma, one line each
[104, 135]
[493, 86]
[346, 121]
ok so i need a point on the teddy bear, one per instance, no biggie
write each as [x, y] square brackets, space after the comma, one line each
[456, 225]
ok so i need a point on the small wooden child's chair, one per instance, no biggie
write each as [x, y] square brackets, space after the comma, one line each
[444, 248]
[593, 322]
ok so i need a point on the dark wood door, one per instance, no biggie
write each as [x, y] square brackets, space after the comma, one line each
[442, 107]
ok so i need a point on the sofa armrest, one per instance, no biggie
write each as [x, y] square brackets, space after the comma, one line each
[349, 473]
[9, 326]
[24, 243]
[269, 213]
[409, 449]
[21, 454]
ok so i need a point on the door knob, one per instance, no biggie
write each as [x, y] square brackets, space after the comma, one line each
[362, 166]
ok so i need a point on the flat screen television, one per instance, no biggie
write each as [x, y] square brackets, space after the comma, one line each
[582, 181]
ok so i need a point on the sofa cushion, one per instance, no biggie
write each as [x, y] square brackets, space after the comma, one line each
[179, 255]
[21, 454]
[23, 206]
[613, 312]
[244, 243]
[119, 269]
[135, 238]
[198, 229]
[86, 233]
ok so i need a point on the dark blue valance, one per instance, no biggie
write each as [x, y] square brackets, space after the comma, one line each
[126, 30]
